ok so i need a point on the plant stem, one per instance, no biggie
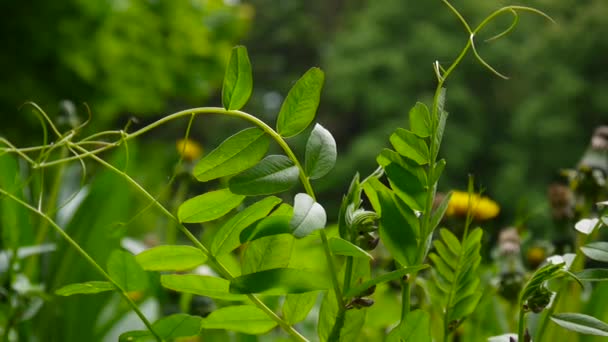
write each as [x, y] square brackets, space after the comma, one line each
[521, 325]
[87, 257]
[218, 265]
[405, 298]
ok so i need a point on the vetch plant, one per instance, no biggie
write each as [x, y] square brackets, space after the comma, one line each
[256, 223]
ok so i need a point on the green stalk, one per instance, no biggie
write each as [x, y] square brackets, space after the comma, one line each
[218, 265]
[521, 325]
[87, 257]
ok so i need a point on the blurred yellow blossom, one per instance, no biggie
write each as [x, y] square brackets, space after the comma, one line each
[482, 208]
[189, 149]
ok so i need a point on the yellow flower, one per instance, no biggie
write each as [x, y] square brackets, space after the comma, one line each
[482, 208]
[189, 149]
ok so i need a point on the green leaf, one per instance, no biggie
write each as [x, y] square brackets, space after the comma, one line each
[227, 237]
[388, 156]
[247, 319]
[420, 120]
[593, 274]
[267, 253]
[273, 174]
[279, 281]
[321, 153]
[440, 211]
[437, 172]
[209, 206]
[208, 286]
[126, 272]
[238, 82]
[410, 146]
[177, 325]
[407, 186]
[340, 246]
[580, 323]
[358, 289]
[596, 250]
[415, 327]
[297, 306]
[455, 272]
[397, 229]
[353, 320]
[272, 225]
[88, 287]
[237, 153]
[441, 121]
[171, 258]
[300, 106]
[308, 216]
[136, 336]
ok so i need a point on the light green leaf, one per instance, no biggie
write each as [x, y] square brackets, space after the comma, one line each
[308, 216]
[398, 230]
[321, 153]
[177, 325]
[596, 250]
[273, 174]
[353, 320]
[297, 306]
[388, 156]
[136, 336]
[440, 211]
[208, 286]
[272, 225]
[358, 289]
[593, 274]
[279, 281]
[267, 253]
[416, 327]
[247, 319]
[209, 206]
[300, 106]
[238, 82]
[439, 167]
[410, 146]
[340, 246]
[580, 323]
[420, 120]
[227, 237]
[171, 258]
[237, 153]
[126, 272]
[88, 287]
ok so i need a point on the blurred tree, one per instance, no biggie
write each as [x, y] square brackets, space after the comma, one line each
[118, 56]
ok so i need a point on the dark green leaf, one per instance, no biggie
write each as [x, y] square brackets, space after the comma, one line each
[580, 323]
[321, 153]
[340, 246]
[88, 287]
[420, 120]
[279, 281]
[297, 306]
[300, 106]
[396, 230]
[593, 274]
[356, 290]
[237, 153]
[247, 319]
[596, 250]
[171, 258]
[267, 253]
[126, 272]
[308, 216]
[437, 172]
[451, 241]
[387, 157]
[407, 186]
[238, 82]
[441, 121]
[209, 206]
[227, 237]
[208, 286]
[272, 225]
[177, 325]
[273, 174]
[410, 146]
